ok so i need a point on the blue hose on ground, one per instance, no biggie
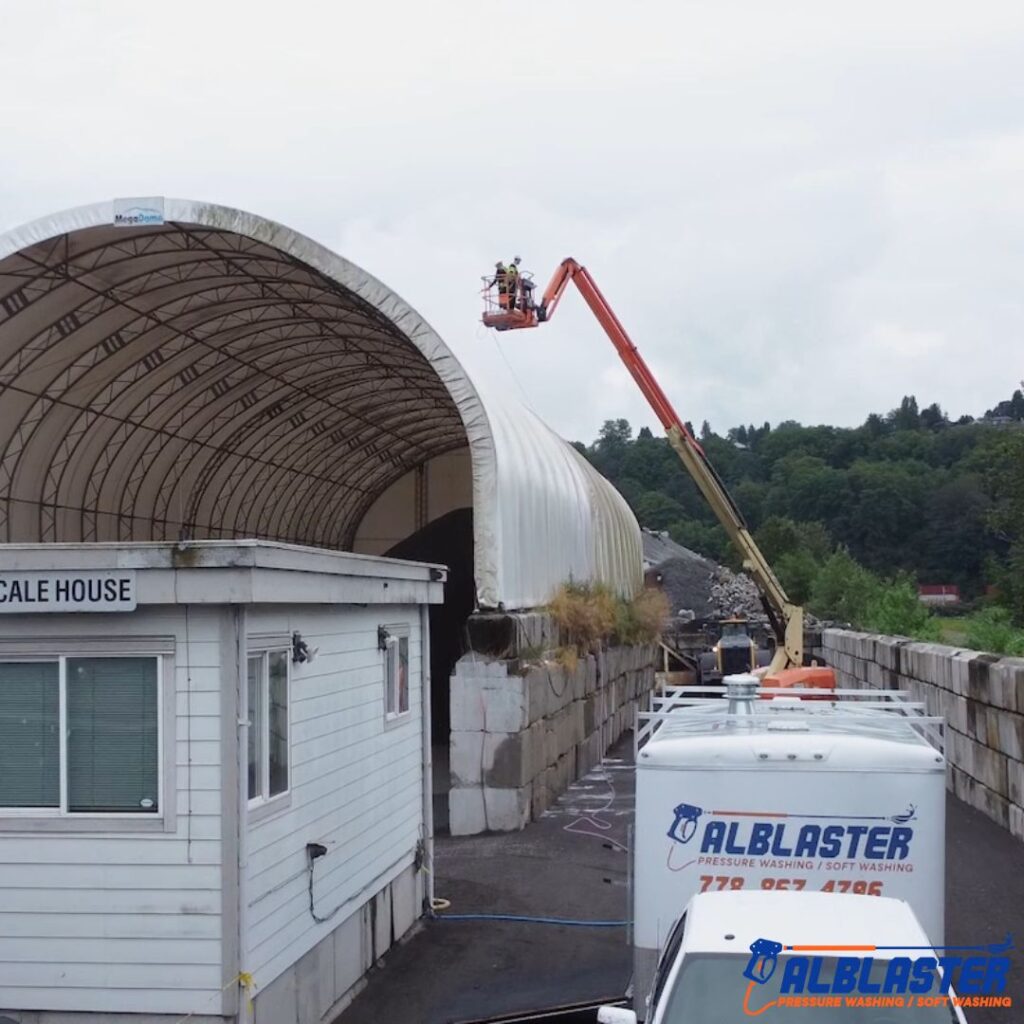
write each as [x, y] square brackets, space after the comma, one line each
[530, 920]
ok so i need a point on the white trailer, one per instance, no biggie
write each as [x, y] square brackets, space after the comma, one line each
[843, 795]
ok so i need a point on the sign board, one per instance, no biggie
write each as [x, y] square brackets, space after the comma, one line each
[874, 833]
[134, 213]
[34, 592]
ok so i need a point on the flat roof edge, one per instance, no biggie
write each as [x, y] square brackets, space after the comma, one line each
[212, 554]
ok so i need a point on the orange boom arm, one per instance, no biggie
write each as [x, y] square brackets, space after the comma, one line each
[786, 618]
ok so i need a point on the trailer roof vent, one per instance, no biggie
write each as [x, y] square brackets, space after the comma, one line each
[741, 692]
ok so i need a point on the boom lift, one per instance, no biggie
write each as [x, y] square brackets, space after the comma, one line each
[518, 310]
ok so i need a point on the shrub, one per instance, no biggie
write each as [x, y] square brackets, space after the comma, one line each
[896, 609]
[843, 589]
[847, 592]
[585, 613]
[591, 615]
[641, 620]
[992, 630]
[797, 571]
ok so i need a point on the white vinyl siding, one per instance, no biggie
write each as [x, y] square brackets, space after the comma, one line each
[126, 922]
[356, 783]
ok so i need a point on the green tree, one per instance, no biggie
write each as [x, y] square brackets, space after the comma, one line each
[933, 417]
[805, 487]
[909, 491]
[797, 572]
[1017, 405]
[704, 538]
[1005, 485]
[656, 511]
[750, 497]
[896, 610]
[843, 590]
[875, 425]
[780, 536]
[954, 541]
[796, 551]
[611, 446]
[885, 513]
[906, 417]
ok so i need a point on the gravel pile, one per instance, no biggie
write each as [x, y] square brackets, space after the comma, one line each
[688, 583]
[698, 588]
[735, 594]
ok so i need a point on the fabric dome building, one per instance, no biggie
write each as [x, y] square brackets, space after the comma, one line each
[189, 371]
[173, 371]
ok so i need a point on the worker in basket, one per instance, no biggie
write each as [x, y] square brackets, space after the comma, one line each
[512, 275]
[500, 280]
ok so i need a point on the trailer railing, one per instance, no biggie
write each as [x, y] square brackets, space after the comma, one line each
[681, 704]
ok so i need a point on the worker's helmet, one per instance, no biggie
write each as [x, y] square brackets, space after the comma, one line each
[517, 261]
[498, 265]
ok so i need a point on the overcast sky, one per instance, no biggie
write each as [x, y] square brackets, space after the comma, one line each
[799, 209]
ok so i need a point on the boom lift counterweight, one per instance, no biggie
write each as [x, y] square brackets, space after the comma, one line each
[785, 617]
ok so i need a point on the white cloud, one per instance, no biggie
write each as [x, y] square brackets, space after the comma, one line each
[798, 209]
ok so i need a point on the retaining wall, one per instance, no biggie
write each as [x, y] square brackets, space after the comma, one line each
[980, 695]
[522, 732]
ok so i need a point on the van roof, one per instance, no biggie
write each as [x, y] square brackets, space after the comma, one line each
[800, 919]
[787, 733]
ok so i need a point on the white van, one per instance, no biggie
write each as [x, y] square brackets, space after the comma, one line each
[730, 957]
[844, 795]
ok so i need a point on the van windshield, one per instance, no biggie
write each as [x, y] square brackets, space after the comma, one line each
[711, 990]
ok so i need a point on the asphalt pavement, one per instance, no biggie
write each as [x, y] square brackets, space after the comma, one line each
[571, 864]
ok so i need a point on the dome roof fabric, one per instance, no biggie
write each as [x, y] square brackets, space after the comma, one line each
[214, 374]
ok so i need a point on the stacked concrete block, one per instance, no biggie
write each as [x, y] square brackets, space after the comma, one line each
[522, 733]
[981, 697]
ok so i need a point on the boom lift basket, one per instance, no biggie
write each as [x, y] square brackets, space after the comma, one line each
[497, 313]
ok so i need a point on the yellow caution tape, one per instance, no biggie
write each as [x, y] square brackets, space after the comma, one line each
[243, 978]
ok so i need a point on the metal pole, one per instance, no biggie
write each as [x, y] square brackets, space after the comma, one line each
[428, 759]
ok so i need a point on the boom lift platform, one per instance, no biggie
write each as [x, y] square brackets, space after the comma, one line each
[509, 305]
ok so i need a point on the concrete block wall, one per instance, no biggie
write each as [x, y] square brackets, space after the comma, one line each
[980, 695]
[521, 733]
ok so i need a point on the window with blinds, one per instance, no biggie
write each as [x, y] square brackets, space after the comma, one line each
[107, 710]
[112, 759]
[30, 734]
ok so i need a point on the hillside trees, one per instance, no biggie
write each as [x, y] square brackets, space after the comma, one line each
[908, 491]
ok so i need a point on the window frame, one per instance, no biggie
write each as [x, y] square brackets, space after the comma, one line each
[264, 804]
[395, 634]
[666, 963]
[60, 817]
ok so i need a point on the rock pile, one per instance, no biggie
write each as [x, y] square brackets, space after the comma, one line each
[734, 594]
[698, 588]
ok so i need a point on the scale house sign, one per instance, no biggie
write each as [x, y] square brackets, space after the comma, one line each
[34, 592]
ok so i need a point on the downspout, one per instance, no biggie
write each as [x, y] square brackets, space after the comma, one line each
[242, 824]
[428, 760]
